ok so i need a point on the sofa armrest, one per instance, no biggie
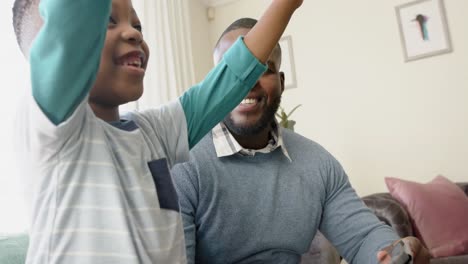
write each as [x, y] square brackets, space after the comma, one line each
[391, 212]
[13, 248]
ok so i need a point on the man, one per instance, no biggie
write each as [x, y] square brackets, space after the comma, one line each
[253, 192]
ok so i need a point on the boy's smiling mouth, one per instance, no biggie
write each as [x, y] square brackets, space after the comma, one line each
[135, 61]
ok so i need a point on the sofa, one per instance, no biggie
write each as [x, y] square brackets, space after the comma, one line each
[391, 212]
[384, 206]
[13, 248]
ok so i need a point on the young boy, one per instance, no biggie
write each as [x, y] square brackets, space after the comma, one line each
[99, 183]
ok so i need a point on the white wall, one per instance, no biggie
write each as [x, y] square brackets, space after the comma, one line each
[378, 115]
[201, 44]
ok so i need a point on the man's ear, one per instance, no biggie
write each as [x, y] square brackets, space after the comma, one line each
[282, 81]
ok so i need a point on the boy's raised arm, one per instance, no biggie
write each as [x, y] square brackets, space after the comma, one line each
[65, 55]
[266, 33]
[228, 83]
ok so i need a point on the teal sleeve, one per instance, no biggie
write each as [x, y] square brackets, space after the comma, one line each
[207, 103]
[66, 54]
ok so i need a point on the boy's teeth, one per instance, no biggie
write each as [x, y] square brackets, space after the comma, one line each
[134, 63]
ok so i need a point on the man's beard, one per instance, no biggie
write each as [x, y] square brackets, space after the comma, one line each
[265, 120]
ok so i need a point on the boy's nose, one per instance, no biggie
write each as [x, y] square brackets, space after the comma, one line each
[132, 35]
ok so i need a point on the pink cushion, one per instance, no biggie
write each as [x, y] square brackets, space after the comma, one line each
[439, 213]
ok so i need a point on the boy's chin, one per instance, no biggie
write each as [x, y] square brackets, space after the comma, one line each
[131, 94]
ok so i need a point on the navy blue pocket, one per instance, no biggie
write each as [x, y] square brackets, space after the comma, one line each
[167, 194]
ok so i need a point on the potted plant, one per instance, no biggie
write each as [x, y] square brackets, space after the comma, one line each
[284, 120]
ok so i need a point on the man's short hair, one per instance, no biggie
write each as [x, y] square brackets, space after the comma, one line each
[20, 9]
[245, 22]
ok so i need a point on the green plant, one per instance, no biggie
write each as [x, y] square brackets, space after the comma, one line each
[284, 120]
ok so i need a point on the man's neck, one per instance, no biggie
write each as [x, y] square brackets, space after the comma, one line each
[257, 141]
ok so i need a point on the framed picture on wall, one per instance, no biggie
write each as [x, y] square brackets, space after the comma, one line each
[287, 62]
[423, 29]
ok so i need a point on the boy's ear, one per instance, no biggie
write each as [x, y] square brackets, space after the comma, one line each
[282, 81]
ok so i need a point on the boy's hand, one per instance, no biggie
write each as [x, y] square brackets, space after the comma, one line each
[413, 247]
[299, 3]
[296, 3]
[263, 37]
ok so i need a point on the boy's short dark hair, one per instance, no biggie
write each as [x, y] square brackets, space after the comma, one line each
[26, 23]
[20, 9]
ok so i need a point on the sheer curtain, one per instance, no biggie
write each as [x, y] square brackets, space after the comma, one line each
[14, 72]
[166, 29]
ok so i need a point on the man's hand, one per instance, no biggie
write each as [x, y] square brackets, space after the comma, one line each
[418, 252]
